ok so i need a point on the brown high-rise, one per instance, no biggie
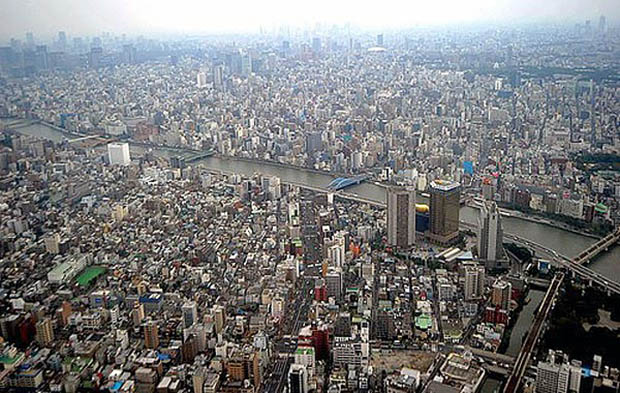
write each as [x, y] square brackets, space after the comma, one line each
[445, 205]
[401, 216]
[151, 335]
[45, 332]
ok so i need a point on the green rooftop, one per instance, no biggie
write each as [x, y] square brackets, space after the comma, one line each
[304, 351]
[600, 208]
[89, 274]
[423, 322]
[8, 360]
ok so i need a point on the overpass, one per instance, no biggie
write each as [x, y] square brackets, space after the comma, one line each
[85, 138]
[558, 259]
[598, 247]
[575, 265]
[493, 356]
[529, 345]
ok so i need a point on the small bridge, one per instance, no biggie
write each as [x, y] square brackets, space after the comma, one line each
[200, 156]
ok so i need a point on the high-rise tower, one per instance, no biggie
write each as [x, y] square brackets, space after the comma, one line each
[401, 216]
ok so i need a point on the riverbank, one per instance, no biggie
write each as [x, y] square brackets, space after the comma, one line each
[566, 242]
[515, 213]
[541, 221]
[287, 166]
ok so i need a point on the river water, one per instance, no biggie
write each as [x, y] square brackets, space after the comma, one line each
[564, 242]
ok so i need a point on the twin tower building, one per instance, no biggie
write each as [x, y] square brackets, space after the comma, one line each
[443, 218]
[440, 225]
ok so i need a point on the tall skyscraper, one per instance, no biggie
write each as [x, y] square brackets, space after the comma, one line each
[401, 216]
[30, 39]
[297, 379]
[379, 39]
[445, 206]
[220, 317]
[129, 54]
[62, 40]
[151, 335]
[602, 24]
[201, 79]
[316, 45]
[474, 282]
[118, 154]
[490, 233]
[314, 142]
[190, 313]
[94, 57]
[218, 76]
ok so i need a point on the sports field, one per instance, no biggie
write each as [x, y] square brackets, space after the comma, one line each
[89, 274]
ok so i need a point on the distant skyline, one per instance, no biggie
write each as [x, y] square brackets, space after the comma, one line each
[45, 18]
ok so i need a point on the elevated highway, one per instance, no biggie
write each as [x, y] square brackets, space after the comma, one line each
[529, 345]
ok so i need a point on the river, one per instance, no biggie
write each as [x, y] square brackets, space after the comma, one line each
[564, 242]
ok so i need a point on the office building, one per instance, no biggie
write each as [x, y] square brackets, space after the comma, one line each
[118, 153]
[190, 313]
[380, 40]
[44, 332]
[314, 142]
[333, 281]
[305, 356]
[602, 24]
[52, 243]
[316, 44]
[501, 294]
[474, 282]
[401, 216]
[557, 375]
[220, 318]
[151, 335]
[218, 76]
[490, 233]
[201, 79]
[94, 57]
[444, 211]
[597, 363]
[297, 379]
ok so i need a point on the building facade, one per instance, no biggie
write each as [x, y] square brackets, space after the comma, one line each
[401, 216]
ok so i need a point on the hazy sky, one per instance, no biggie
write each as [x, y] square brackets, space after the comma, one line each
[46, 17]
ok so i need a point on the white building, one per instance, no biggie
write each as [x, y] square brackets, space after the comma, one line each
[201, 79]
[489, 232]
[556, 375]
[118, 153]
[474, 282]
[298, 379]
[65, 271]
[306, 357]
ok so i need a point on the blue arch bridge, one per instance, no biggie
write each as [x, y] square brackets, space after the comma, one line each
[344, 182]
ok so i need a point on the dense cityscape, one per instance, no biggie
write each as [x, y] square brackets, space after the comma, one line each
[325, 209]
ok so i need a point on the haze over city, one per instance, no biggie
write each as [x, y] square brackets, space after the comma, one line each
[317, 197]
[45, 17]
